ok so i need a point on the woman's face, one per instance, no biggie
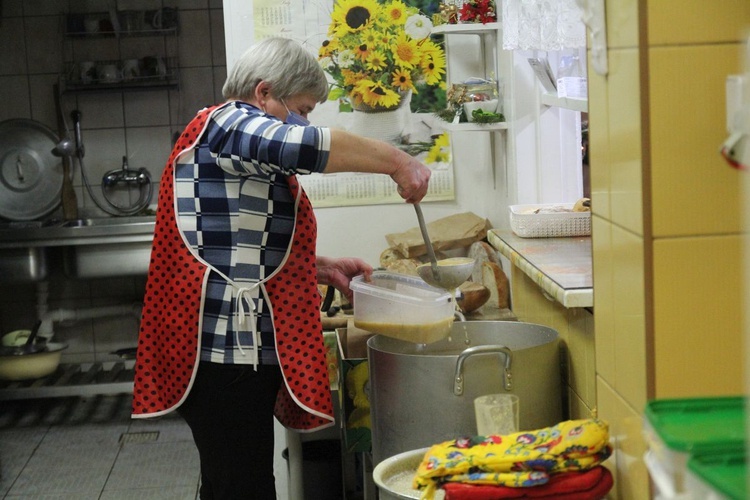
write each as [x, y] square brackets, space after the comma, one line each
[302, 104]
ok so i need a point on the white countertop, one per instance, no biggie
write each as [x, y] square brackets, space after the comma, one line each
[560, 266]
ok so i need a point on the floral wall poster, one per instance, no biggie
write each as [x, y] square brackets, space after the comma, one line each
[387, 77]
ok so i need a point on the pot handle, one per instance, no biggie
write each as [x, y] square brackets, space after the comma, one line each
[458, 379]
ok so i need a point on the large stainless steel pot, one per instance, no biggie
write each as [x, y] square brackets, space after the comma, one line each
[421, 395]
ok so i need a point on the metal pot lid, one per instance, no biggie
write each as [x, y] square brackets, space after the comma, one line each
[30, 175]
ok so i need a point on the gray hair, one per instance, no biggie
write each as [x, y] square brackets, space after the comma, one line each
[283, 63]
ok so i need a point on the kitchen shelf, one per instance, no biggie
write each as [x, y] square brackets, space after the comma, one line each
[552, 100]
[466, 29]
[88, 379]
[471, 127]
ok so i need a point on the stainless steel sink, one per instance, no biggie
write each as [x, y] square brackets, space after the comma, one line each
[92, 248]
[124, 251]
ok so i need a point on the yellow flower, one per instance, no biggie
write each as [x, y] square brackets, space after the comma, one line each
[351, 16]
[402, 80]
[405, 51]
[375, 94]
[376, 61]
[440, 151]
[433, 70]
[328, 47]
[362, 51]
[395, 12]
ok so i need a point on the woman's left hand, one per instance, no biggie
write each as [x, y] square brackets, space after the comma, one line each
[338, 272]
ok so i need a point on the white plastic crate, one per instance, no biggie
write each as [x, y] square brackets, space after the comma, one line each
[547, 224]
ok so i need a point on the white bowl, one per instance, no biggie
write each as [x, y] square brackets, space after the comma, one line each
[489, 106]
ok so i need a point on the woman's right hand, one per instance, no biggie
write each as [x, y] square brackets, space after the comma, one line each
[412, 178]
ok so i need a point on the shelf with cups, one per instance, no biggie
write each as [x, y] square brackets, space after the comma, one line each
[571, 103]
[149, 72]
[467, 29]
[154, 64]
[126, 23]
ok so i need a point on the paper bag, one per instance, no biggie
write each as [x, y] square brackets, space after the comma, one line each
[454, 231]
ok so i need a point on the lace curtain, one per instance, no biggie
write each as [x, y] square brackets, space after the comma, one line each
[542, 25]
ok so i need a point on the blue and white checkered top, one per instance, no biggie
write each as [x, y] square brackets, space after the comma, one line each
[239, 219]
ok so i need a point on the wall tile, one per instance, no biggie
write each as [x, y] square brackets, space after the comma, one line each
[13, 46]
[601, 240]
[148, 147]
[688, 124]
[698, 316]
[14, 91]
[218, 51]
[625, 429]
[100, 111]
[42, 104]
[195, 38]
[625, 139]
[147, 108]
[622, 23]
[696, 21]
[599, 161]
[629, 316]
[44, 52]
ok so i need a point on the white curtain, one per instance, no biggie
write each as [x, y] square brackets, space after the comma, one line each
[542, 25]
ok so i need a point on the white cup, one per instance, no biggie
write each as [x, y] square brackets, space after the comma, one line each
[108, 73]
[131, 69]
[91, 25]
[87, 71]
[496, 414]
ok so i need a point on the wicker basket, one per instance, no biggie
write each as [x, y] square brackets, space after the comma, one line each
[527, 224]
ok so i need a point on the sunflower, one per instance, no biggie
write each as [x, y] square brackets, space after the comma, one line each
[395, 12]
[433, 70]
[362, 51]
[405, 51]
[328, 47]
[376, 61]
[375, 94]
[402, 80]
[351, 16]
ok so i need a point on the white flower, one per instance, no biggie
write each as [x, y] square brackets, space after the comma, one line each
[345, 58]
[326, 63]
[418, 26]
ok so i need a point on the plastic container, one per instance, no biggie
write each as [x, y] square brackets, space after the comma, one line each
[674, 429]
[403, 307]
[718, 475]
[549, 221]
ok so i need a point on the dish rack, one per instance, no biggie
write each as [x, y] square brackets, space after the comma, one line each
[526, 223]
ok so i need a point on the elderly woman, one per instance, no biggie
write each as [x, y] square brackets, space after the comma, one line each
[231, 332]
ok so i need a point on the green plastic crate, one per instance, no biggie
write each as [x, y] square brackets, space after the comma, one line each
[718, 473]
[675, 429]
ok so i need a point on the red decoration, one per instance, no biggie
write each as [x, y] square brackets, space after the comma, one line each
[478, 11]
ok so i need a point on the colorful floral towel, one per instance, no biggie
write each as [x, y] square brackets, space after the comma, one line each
[517, 460]
[592, 484]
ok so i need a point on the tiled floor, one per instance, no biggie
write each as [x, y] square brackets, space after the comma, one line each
[89, 448]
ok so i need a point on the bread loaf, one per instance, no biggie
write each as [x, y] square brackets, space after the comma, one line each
[404, 266]
[389, 256]
[497, 282]
[473, 296]
[482, 252]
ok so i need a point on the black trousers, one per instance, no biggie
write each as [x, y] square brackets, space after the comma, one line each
[230, 412]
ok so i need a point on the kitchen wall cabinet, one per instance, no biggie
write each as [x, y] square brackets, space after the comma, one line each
[120, 50]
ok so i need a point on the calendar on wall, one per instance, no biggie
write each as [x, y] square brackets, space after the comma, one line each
[308, 22]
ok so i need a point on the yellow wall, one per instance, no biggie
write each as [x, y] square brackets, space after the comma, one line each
[666, 215]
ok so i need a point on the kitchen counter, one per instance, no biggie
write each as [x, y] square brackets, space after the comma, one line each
[560, 266]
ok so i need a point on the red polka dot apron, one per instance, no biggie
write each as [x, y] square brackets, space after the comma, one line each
[169, 339]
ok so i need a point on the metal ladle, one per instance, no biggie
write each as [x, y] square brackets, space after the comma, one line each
[451, 273]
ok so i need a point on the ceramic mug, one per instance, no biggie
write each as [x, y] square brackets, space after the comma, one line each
[87, 71]
[154, 66]
[131, 69]
[108, 73]
[91, 25]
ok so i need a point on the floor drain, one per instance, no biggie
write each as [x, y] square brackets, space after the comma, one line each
[138, 437]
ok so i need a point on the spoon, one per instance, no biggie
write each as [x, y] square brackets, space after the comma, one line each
[449, 273]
